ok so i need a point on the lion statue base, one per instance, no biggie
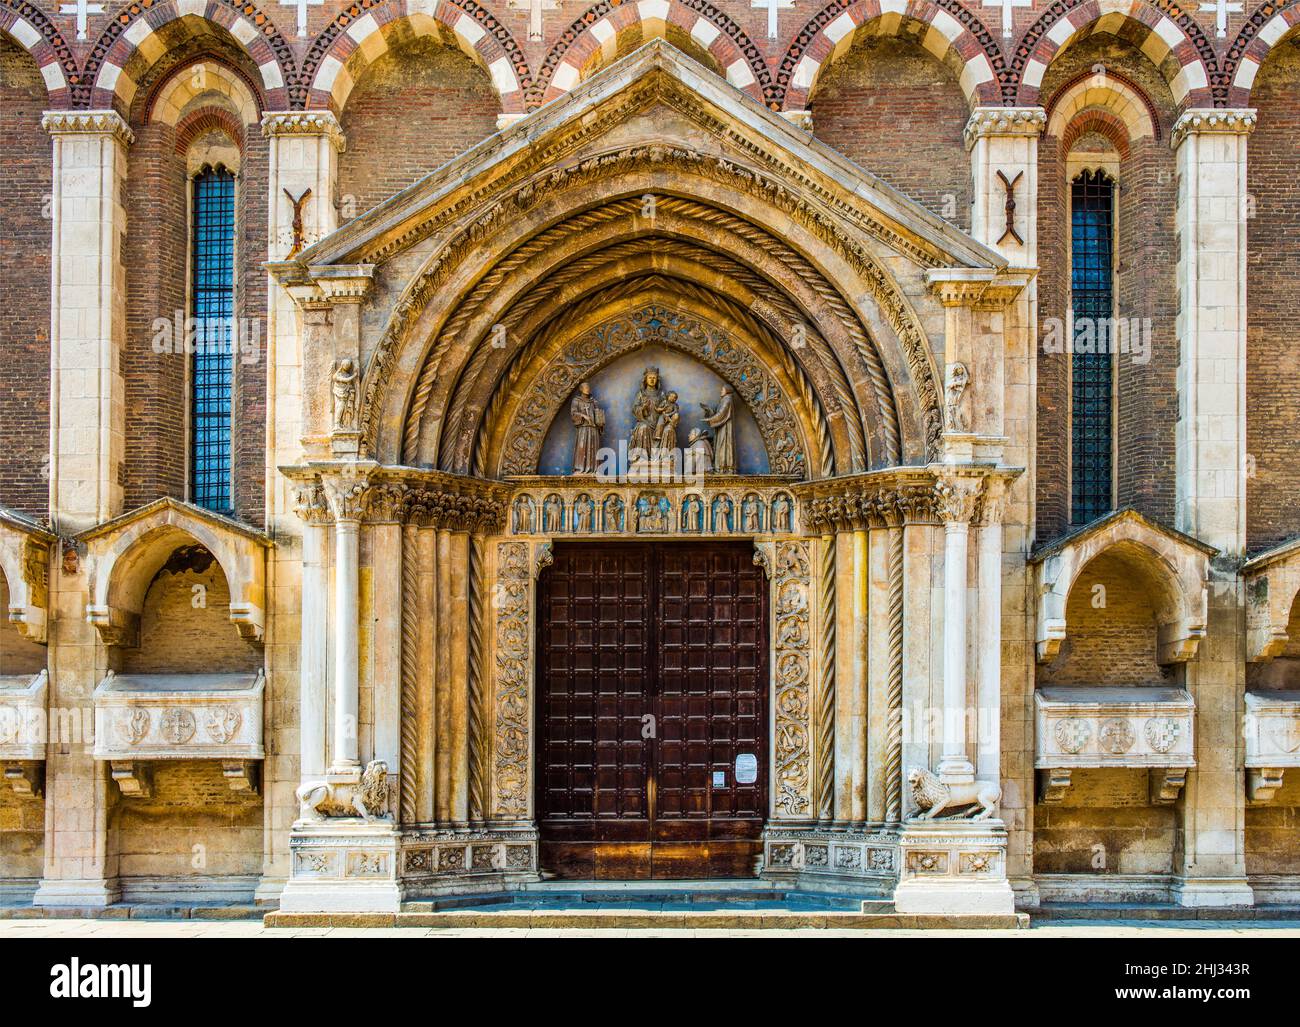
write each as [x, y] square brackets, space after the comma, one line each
[366, 798]
[976, 800]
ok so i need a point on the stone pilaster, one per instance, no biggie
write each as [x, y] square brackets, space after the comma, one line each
[1003, 145]
[1211, 487]
[87, 316]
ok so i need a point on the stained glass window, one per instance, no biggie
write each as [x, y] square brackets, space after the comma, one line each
[1092, 295]
[213, 309]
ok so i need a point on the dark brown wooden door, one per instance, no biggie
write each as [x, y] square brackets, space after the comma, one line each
[652, 685]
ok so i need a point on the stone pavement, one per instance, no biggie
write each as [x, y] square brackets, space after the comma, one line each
[70, 928]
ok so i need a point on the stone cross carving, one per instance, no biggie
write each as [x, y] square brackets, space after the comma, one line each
[302, 13]
[82, 8]
[772, 6]
[298, 238]
[1010, 207]
[1221, 9]
[1007, 16]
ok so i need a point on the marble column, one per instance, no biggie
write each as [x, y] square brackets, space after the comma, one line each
[1210, 472]
[313, 656]
[957, 504]
[989, 666]
[346, 495]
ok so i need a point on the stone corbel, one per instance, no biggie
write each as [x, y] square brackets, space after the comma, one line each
[115, 626]
[1178, 641]
[243, 776]
[1262, 783]
[1052, 784]
[133, 777]
[25, 777]
[1166, 783]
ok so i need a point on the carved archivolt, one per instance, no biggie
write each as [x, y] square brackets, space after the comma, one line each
[769, 190]
[792, 748]
[511, 706]
[650, 325]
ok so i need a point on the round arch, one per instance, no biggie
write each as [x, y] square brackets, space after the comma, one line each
[1267, 26]
[30, 29]
[952, 34]
[366, 31]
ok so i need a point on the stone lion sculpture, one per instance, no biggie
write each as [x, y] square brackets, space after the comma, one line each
[368, 799]
[932, 796]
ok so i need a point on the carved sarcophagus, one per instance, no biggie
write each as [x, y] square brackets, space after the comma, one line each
[1082, 726]
[1272, 740]
[140, 718]
[23, 730]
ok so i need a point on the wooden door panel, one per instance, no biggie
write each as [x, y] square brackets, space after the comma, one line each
[676, 633]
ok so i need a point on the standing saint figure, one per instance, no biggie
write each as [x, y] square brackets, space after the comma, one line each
[645, 409]
[724, 443]
[590, 421]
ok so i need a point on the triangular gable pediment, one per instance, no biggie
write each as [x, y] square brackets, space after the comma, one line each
[693, 109]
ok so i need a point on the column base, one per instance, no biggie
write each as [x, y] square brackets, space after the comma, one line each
[342, 866]
[94, 892]
[1196, 892]
[953, 866]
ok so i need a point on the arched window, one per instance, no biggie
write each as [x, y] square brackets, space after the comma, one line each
[1092, 217]
[212, 305]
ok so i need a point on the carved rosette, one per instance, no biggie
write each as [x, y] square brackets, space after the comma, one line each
[512, 601]
[792, 653]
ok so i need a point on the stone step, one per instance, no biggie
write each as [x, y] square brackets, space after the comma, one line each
[626, 919]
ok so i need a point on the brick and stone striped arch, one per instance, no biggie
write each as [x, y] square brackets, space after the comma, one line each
[366, 30]
[132, 44]
[27, 25]
[952, 34]
[594, 37]
[1168, 36]
[1114, 107]
[1267, 25]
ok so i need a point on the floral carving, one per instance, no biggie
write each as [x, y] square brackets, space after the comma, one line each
[792, 653]
[510, 763]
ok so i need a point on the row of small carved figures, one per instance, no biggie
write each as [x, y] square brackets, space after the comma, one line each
[653, 512]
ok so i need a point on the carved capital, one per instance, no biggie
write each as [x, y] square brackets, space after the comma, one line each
[105, 123]
[304, 123]
[1239, 121]
[1004, 121]
[956, 498]
[347, 492]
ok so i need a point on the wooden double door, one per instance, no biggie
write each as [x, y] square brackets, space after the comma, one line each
[652, 710]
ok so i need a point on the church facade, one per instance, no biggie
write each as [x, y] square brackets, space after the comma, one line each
[450, 447]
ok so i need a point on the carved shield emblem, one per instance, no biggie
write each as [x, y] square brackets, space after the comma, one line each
[135, 726]
[1162, 733]
[222, 723]
[11, 723]
[1284, 732]
[1073, 734]
[1116, 735]
[177, 726]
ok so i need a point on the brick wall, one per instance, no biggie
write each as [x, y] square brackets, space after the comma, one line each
[250, 304]
[187, 632]
[1111, 630]
[1104, 825]
[888, 90]
[1145, 283]
[1272, 356]
[413, 110]
[25, 271]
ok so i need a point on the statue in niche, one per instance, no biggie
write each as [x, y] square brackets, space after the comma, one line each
[523, 516]
[722, 510]
[613, 513]
[724, 442]
[645, 410]
[552, 514]
[780, 512]
[344, 389]
[582, 514]
[668, 416]
[589, 418]
[955, 401]
[652, 514]
[692, 513]
[750, 518]
[699, 453]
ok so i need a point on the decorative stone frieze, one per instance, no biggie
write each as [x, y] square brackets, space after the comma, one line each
[707, 505]
[141, 718]
[23, 730]
[1110, 726]
[403, 495]
[792, 743]
[1272, 729]
[1178, 563]
[863, 501]
[433, 861]
[831, 855]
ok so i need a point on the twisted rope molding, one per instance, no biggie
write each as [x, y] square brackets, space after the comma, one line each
[894, 686]
[409, 739]
[478, 782]
[824, 801]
